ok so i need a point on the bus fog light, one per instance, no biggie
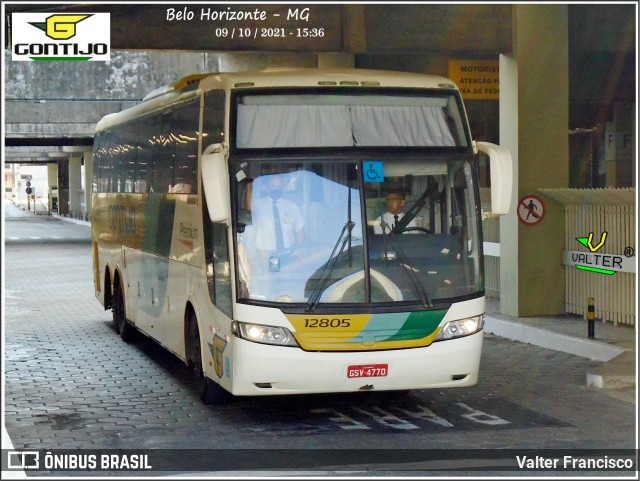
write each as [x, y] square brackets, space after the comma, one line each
[460, 328]
[279, 336]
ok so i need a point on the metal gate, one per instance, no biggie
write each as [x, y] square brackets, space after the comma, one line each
[596, 211]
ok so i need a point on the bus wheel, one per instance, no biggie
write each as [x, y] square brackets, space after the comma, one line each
[126, 330]
[210, 391]
[115, 311]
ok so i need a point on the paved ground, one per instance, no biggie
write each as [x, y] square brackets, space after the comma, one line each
[71, 383]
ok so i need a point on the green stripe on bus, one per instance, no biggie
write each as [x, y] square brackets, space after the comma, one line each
[418, 325]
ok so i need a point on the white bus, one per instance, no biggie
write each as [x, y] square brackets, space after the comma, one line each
[239, 220]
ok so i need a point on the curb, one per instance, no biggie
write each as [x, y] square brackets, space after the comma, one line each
[71, 219]
[593, 350]
[619, 373]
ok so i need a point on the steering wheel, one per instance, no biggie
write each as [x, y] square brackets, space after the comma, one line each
[419, 229]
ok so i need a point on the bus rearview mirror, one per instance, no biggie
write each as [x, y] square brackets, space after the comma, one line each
[501, 170]
[215, 182]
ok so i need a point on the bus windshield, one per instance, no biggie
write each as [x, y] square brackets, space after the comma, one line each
[322, 231]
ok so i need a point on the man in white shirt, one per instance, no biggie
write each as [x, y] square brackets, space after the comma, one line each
[270, 241]
[387, 221]
[278, 222]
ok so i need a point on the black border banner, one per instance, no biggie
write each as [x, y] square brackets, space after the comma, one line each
[215, 460]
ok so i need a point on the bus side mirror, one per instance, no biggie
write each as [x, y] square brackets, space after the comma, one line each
[215, 183]
[501, 170]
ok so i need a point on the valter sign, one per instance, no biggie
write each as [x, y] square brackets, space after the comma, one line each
[610, 262]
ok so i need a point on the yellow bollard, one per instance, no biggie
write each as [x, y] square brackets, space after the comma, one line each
[591, 316]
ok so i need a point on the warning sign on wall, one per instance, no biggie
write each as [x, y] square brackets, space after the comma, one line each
[477, 79]
[531, 210]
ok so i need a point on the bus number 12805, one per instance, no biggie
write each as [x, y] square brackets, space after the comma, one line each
[334, 323]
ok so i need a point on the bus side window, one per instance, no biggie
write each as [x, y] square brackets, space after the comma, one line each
[145, 155]
[213, 120]
[218, 266]
[216, 247]
[184, 125]
[129, 157]
[106, 159]
[164, 155]
[115, 144]
[98, 154]
[221, 268]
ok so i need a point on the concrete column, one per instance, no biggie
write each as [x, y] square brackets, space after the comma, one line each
[536, 79]
[88, 182]
[63, 186]
[354, 35]
[75, 186]
[509, 223]
[354, 28]
[52, 186]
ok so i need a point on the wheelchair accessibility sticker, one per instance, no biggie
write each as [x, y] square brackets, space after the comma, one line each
[373, 171]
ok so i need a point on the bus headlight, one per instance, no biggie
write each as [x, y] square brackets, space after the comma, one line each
[460, 328]
[276, 335]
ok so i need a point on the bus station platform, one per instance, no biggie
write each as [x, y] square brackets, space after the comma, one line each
[614, 347]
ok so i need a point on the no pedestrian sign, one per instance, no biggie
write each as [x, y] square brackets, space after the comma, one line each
[531, 210]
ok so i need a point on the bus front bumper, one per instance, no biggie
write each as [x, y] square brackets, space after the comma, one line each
[260, 369]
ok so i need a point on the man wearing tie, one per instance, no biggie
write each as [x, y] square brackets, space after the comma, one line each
[269, 243]
[278, 221]
[387, 221]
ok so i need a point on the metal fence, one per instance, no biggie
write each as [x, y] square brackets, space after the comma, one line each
[597, 211]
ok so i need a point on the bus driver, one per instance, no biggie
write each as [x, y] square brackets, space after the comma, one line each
[387, 221]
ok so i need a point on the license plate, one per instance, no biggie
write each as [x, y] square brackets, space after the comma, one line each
[368, 370]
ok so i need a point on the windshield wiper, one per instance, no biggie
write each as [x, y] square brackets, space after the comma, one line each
[402, 258]
[316, 293]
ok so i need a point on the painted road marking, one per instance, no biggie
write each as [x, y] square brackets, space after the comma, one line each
[406, 415]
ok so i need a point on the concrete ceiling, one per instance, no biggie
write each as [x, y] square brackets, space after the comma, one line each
[601, 37]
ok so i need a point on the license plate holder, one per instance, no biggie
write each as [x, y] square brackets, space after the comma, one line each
[367, 370]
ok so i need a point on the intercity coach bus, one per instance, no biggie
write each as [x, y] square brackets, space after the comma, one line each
[238, 219]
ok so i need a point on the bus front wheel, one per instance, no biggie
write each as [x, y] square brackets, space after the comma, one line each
[210, 391]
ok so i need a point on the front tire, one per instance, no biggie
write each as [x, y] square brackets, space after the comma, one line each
[126, 330]
[211, 393]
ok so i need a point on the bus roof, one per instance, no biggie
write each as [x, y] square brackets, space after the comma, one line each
[276, 77]
[314, 77]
